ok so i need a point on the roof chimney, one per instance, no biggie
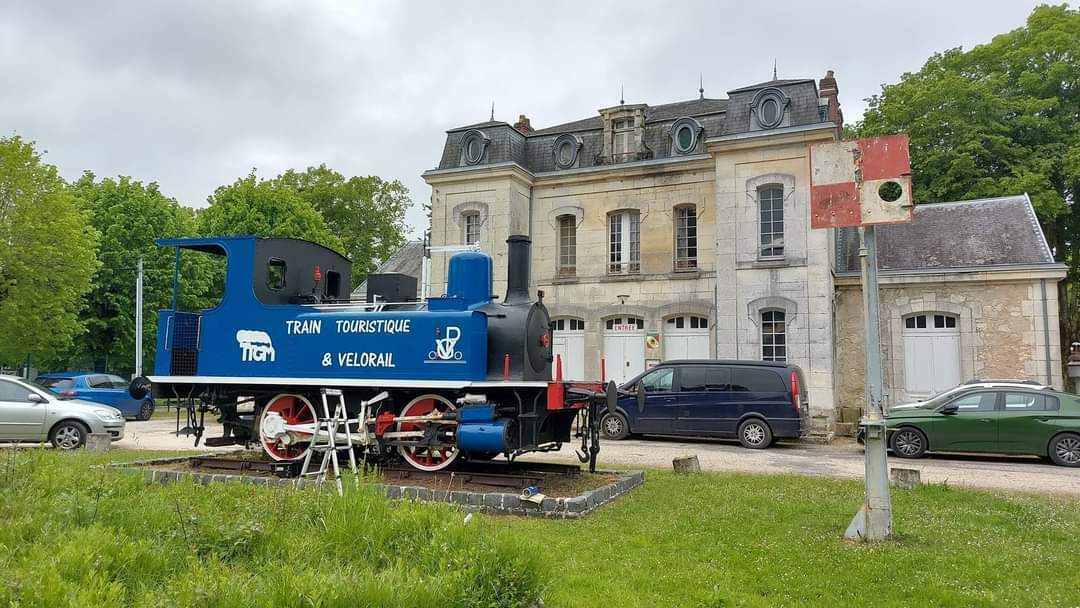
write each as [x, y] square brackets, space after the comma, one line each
[827, 89]
[522, 125]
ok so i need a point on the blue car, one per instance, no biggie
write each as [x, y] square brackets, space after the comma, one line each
[756, 402]
[99, 388]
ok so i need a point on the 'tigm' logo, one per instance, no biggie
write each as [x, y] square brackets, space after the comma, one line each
[444, 347]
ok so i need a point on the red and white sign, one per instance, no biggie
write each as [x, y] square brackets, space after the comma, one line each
[625, 327]
[845, 178]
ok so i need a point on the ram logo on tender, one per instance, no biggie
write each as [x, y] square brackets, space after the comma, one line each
[255, 345]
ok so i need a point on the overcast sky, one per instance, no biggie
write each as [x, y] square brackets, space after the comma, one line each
[194, 94]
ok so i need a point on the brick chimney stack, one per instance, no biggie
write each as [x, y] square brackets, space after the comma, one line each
[827, 89]
[522, 125]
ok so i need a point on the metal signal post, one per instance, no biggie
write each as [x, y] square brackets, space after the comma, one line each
[139, 318]
[874, 519]
[860, 184]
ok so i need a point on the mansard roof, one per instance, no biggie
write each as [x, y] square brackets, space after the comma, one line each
[957, 235]
[534, 150]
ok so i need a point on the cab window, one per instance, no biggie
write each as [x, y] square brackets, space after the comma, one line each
[658, 381]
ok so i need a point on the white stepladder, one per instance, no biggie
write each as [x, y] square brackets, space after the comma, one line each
[326, 439]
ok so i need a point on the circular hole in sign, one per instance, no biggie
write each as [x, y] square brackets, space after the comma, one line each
[890, 192]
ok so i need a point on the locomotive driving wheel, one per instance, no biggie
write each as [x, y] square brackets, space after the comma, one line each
[286, 427]
[425, 457]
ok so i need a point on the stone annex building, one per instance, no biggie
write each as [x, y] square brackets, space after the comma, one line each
[681, 230]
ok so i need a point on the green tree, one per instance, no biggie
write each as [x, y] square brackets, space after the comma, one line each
[47, 258]
[1000, 119]
[129, 217]
[263, 208]
[367, 213]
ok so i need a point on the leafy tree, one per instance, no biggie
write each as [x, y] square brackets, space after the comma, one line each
[47, 258]
[1000, 119]
[266, 209]
[367, 213]
[130, 216]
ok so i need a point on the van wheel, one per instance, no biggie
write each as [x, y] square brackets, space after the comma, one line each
[614, 426]
[755, 434]
[68, 435]
[908, 442]
[1065, 450]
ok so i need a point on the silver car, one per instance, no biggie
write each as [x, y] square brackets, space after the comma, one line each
[30, 412]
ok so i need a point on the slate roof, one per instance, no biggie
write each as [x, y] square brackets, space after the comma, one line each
[771, 83]
[667, 111]
[407, 260]
[965, 234]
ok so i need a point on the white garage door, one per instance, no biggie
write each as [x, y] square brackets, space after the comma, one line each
[931, 354]
[686, 337]
[568, 343]
[624, 348]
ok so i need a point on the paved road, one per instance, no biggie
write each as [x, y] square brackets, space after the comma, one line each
[843, 459]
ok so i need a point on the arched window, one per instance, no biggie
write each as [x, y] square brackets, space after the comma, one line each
[773, 335]
[567, 245]
[685, 238]
[771, 221]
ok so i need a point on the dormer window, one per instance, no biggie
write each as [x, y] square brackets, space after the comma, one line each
[684, 135]
[769, 108]
[565, 151]
[473, 145]
[622, 142]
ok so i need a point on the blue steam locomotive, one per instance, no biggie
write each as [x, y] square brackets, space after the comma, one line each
[461, 375]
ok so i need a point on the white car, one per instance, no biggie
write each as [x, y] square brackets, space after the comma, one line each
[32, 413]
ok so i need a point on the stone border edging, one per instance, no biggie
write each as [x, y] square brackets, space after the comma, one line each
[498, 503]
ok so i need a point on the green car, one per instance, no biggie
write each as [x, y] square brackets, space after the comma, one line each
[990, 417]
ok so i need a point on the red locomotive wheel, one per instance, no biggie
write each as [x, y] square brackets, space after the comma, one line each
[278, 431]
[424, 458]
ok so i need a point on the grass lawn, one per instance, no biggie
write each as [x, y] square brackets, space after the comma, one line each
[745, 540]
[73, 535]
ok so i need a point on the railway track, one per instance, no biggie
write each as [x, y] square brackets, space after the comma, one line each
[495, 474]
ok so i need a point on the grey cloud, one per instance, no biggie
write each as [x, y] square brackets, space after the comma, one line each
[195, 94]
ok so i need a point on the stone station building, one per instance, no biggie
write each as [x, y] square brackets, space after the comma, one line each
[682, 230]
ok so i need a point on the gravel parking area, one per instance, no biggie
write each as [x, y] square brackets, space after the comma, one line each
[843, 458]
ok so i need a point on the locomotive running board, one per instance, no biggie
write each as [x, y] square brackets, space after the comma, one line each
[346, 382]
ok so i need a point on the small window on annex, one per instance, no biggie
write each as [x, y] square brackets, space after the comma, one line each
[685, 238]
[567, 245]
[771, 221]
[275, 274]
[470, 223]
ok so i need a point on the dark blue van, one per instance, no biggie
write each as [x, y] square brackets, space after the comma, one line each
[754, 401]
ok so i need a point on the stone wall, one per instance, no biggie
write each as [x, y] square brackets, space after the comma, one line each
[502, 201]
[1000, 326]
[657, 291]
[800, 284]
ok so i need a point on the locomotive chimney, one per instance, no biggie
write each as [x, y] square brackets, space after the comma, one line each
[517, 269]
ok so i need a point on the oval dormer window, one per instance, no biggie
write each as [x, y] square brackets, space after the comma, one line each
[684, 135]
[473, 145]
[768, 107]
[770, 110]
[565, 151]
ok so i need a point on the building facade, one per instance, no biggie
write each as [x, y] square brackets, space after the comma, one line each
[673, 231]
